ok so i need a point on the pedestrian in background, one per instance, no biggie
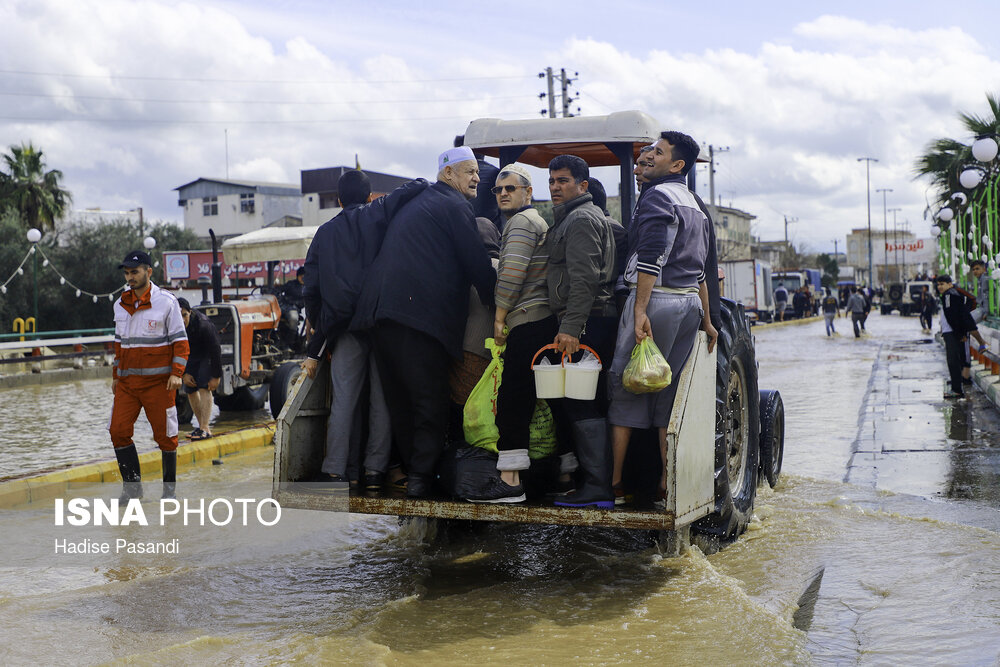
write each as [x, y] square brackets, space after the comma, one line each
[978, 270]
[927, 306]
[780, 301]
[856, 307]
[957, 325]
[204, 367]
[831, 309]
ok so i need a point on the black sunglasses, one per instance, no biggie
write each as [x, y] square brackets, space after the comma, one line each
[508, 188]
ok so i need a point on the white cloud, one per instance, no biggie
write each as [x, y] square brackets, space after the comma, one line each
[796, 112]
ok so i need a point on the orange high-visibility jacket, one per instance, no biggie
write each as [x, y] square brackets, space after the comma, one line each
[150, 338]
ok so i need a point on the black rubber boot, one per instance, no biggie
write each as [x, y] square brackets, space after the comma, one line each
[169, 474]
[593, 450]
[128, 465]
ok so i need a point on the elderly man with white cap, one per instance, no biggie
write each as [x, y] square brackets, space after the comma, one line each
[416, 301]
[524, 321]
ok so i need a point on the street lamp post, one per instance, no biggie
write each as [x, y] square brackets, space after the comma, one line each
[885, 230]
[868, 191]
[34, 236]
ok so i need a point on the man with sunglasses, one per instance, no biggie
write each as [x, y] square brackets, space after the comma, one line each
[524, 321]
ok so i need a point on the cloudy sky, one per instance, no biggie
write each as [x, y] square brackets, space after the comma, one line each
[132, 99]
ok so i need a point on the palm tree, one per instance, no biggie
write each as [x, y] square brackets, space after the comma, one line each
[946, 158]
[30, 190]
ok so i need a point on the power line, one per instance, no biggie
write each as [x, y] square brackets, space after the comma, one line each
[244, 122]
[177, 101]
[186, 79]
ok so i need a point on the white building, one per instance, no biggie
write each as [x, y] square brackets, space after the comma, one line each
[233, 207]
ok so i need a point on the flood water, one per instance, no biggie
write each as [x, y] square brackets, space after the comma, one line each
[887, 490]
[53, 426]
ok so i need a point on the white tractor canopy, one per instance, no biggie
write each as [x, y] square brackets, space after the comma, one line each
[602, 141]
[539, 140]
[268, 245]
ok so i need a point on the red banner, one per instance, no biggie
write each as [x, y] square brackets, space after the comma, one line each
[193, 264]
[908, 247]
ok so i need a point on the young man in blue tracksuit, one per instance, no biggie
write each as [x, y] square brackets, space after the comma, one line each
[668, 297]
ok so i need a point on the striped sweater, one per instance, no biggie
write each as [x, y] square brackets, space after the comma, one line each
[150, 338]
[522, 287]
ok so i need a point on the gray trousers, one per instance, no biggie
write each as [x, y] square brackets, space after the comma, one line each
[352, 363]
[675, 320]
[829, 323]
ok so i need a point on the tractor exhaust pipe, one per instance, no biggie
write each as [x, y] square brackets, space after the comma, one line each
[216, 270]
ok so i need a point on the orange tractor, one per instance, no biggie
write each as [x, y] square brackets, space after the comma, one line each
[258, 340]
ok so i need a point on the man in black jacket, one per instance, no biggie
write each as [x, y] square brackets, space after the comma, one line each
[352, 363]
[956, 326]
[416, 304]
[204, 366]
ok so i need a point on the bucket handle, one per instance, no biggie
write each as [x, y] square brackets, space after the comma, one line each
[550, 346]
[592, 350]
[562, 361]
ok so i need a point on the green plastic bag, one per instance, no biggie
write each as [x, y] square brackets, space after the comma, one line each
[541, 432]
[647, 371]
[479, 415]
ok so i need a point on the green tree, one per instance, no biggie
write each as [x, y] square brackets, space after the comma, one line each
[831, 270]
[26, 187]
[86, 255]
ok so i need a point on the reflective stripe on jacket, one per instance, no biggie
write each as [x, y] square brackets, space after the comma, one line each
[149, 335]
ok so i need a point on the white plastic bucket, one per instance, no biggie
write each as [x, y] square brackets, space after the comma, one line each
[550, 381]
[581, 383]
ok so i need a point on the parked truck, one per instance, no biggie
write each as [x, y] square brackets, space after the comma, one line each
[748, 282]
[724, 436]
[793, 279]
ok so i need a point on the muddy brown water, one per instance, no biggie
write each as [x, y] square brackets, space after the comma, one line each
[908, 539]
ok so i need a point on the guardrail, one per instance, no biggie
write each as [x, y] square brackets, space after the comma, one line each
[38, 335]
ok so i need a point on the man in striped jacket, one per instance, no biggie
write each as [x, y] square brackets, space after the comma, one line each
[524, 322]
[151, 351]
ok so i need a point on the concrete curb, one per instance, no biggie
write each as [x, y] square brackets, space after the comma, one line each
[52, 377]
[770, 325]
[45, 486]
[988, 383]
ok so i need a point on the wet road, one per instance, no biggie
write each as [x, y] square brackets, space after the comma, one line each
[887, 488]
[49, 427]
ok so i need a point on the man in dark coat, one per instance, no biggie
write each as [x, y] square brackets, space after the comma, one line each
[957, 324]
[204, 366]
[416, 303]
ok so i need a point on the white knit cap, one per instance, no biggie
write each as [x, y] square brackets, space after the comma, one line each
[515, 169]
[455, 155]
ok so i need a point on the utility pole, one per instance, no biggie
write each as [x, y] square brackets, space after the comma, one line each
[885, 230]
[787, 221]
[712, 150]
[835, 253]
[141, 234]
[868, 191]
[895, 243]
[565, 82]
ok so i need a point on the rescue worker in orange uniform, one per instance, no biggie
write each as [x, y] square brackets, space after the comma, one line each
[151, 351]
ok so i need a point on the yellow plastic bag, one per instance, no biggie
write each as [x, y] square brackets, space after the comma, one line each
[480, 412]
[647, 371]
